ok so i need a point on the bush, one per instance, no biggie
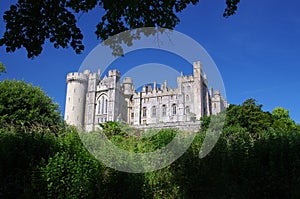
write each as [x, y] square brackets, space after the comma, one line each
[23, 105]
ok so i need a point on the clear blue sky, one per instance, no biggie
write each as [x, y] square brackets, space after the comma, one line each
[257, 52]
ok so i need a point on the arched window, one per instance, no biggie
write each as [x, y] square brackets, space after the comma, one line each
[174, 109]
[164, 110]
[144, 111]
[102, 105]
[187, 110]
[187, 98]
[153, 111]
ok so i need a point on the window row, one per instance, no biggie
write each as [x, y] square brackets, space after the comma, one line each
[163, 110]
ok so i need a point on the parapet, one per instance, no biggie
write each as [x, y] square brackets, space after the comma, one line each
[114, 73]
[76, 76]
[127, 80]
[217, 92]
[197, 65]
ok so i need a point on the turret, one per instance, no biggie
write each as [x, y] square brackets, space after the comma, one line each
[77, 84]
[198, 90]
[197, 66]
[128, 86]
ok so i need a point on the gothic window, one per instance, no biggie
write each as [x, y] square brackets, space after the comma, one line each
[98, 105]
[187, 98]
[174, 109]
[187, 110]
[132, 115]
[164, 110]
[215, 106]
[189, 88]
[153, 111]
[144, 111]
[102, 105]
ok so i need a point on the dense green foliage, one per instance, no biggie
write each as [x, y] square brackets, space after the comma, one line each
[20, 153]
[24, 105]
[30, 23]
[256, 156]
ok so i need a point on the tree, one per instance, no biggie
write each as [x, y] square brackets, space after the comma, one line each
[250, 116]
[2, 68]
[30, 23]
[282, 120]
[23, 105]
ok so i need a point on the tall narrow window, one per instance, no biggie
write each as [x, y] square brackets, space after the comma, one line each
[164, 110]
[102, 104]
[153, 111]
[98, 107]
[187, 98]
[187, 110]
[105, 105]
[144, 111]
[174, 109]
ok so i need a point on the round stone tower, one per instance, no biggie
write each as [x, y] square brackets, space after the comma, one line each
[77, 84]
[128, 86]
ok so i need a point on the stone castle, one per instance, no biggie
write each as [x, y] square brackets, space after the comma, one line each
[91, 100]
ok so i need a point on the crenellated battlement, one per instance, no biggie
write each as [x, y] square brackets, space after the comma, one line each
[188, 78]
[197, 65]
[76, 76]
[114, 72]
[94, 76]
[153, 105]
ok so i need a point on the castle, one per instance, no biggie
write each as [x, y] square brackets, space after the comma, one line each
[91, 100]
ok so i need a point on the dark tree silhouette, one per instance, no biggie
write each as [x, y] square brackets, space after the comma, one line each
[29, 23]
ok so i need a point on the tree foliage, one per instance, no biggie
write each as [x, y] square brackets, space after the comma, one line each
[31, 23]
[36, 164]
[24, 105]
[2, 68]
[249, 115]
[282, 119]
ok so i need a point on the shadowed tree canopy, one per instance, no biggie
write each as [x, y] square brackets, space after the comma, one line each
[30, 23]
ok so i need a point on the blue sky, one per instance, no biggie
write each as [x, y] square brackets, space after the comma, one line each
[257, 52]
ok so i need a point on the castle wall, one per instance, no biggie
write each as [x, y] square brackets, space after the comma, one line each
[90, 101]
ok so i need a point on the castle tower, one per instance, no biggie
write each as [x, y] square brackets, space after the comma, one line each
[128, 86]
[94, 79]
[198, 102]
[128, 89]
[75, 99]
